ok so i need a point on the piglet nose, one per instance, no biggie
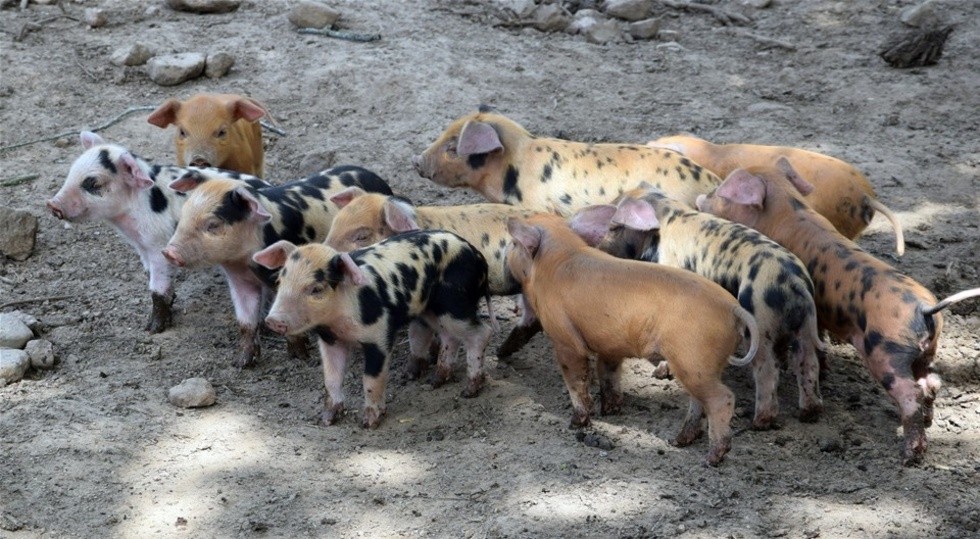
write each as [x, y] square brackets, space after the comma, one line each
[55, 210]
[699, 202]
[199, 161]
[417, 162]
[276, 325]
[173, 257]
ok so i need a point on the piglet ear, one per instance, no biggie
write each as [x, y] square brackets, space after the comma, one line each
[256, 209]
[636, 214]
[343, 198]
[400, 218]
[275, 255]
[784, 166]
[476, 138]
[352, 271]
[90, 139]
[132, 173]
[247, 109]
[592, 222]
[190, 180]
[672, 146]
[526, 235]
[165, 114]
[743, 188]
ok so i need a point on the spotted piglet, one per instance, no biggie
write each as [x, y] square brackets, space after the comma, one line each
[363, 298]
[892, 321]
[224, 222]
[108, 183]
[769, 281]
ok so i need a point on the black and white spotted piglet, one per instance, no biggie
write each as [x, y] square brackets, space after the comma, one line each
[362, 298]
[108, 183]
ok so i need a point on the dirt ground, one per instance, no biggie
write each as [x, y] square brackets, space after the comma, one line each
[94, 449]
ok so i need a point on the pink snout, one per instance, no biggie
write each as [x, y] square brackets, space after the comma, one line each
[55, 210]
[200, 161]
[173, 256]
[276, 325]
[699, 202]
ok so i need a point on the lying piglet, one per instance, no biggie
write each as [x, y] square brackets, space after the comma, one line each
[502, 161]
[769, 281]
[363, 298]
[216, 130]
[367, 218]
[108, 183]
[590, 302]
[224, 222]
[892, 321]
[840, 192]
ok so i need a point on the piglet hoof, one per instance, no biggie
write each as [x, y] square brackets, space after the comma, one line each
[611, 405]
[913, 451]
[331, 414]
[717, 452]
[440, 377]
[161, 317]
[662, 371]
[296, 347]
[764, 421]
[372, 418]
[518, 337]
[687, 436]
[810, 414]
[415, 367]
[579, 420]
[473, 387]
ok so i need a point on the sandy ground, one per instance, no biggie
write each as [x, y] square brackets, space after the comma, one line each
[94, 449]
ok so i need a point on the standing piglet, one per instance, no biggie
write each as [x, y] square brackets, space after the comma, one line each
[590, 302]
[224, 222]
[769, 281]
[108, 183]
[840, 192]
[892, 321]
[216, 130]
[363, 298]
[502, 161]
[367, 218]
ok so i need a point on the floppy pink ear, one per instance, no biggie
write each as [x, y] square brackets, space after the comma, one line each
[247, 109]
[90, 139]
[636, 214]
[165, 114]
[803, 186]
[351, 270]
[131, 172]
[526, 235]
[743, 188]
[190, 180]
[343, 198]
[399, 218]
[476, 138]
[592, 222]
[257, 211]
[275, 255]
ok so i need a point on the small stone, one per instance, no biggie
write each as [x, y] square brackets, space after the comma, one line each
[919, 16]
[218, 64]
[645, 29]
[192, 393]
[629, 10]
[830, 445]
[758, 4]
[583, 20]
[549, 18]
[316, 162]
[309, 14]
[518, 8]
[174, 69]
[151, 12]
[18, 232]
[13, 364]
[95, 17]
[136, 54]
[14, 333]
[204, 6]
[28, 320]
[603, 32]
[41, 352]
[669, 35]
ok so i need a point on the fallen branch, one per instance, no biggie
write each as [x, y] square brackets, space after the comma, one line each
[17, 180]
[78, 62]
[768, 41]
[340, 34]
[32, 300]
[725, 17]
[272, 128]
[110, 123]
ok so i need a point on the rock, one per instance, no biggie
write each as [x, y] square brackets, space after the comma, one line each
[669, 35]
[583, 20]
[629, 10]
[18, 231]
[41, 353]
[174, 69]
[309, 14]
[13, 364]
[520, 9]
[549, 18]
[645, 29]
[603, 32]
[131, 55]
[28, 320]
[919, 16]
[95, 17]
[192, 393]
[758, 4]
[13, 332]
[218, 64]
[917, 48]
[204, 6]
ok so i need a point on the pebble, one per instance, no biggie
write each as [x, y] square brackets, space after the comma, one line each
[204, 6]
[218, 64]
[629, 10]
[645, 29]
[174, 69]
[192, 393]
[41, 352]
[13, 365]
[136, 54]
[584, 19]
[14, 333]
[309, 14]
[920, 15]
[758, 4]
[18, 232]
[95, 17]
[549, 18]
[522, 9]
[603, 32]
[28, 320]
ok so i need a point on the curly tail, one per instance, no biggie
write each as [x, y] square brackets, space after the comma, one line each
[753, 328]
[899, 235]
[493, 317]
[955, 298]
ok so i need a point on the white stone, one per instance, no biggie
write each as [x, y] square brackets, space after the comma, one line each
[29, 320]
[919, 16]
[519, 8]
[204, 6]
[41, 352]
[18, 232]
[310, 14]
[581, 25]
[604, 32]
[95, 17]
[549, 18]
[14, 333]
[218, 64]
[136, 54]
[758, 4]
[192, 393]
[13, 364]
[174, 69]
[645, 29]
[629, 10]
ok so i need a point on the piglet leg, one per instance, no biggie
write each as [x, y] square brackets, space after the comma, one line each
[161, 291]
[334, 360]
[246, 294]
[476, 344]
[575, 370]
[523, 332]
[610, 390]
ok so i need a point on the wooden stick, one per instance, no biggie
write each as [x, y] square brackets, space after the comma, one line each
[768, 41]
[78, 62]
[110, 123]
[726, 17]
[340, 34]
[17, 180]
[32, 300]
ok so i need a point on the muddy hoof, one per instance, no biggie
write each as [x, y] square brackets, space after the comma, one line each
[810, 415]
[372, 418]
[473, 388]
[331, 414]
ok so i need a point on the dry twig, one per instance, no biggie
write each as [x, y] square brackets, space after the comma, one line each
[725, 17]
[341, 34]
[32, 300]
[17, 180]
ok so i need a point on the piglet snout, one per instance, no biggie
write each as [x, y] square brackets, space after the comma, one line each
[276, 325]
[173, 256]
[417, 162]
[699, 202]
[55, 210]
[200, 161]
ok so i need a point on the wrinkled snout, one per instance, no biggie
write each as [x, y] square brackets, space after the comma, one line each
[173, 256]
[417, 162]
[55, 209]
[200, 161]
[277, 325]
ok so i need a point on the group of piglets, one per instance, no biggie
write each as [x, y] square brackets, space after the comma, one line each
[614, 249]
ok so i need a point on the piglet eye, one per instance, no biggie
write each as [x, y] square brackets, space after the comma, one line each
[181, 133]
[212, 226]
[451, 148]
[221, 133]
[91, 185]
[316, 290]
